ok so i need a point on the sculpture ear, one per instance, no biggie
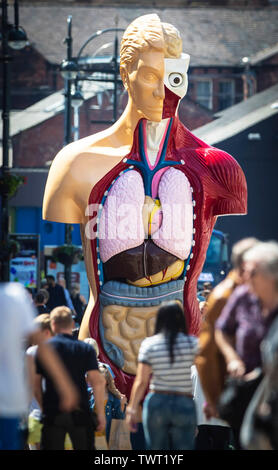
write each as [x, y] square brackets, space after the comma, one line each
[124, 76]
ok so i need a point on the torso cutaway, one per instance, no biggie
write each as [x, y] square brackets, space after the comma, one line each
[140, 237]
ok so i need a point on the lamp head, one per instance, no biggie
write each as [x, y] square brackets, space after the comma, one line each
[17, 38]
[68, 69]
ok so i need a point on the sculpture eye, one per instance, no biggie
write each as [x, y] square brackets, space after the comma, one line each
[150, 77]
[175, 79]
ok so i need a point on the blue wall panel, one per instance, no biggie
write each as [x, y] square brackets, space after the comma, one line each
[29, 220]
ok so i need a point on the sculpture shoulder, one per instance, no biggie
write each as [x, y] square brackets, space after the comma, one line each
[213, 157]
[230, 182]
[217, 158]
[222, 175]
[74, 172]
[91, 149]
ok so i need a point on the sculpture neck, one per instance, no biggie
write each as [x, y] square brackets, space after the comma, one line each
[124, 128]
[155, 132]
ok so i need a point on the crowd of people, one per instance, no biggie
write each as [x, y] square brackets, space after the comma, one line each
[53, 294]
[215, 391]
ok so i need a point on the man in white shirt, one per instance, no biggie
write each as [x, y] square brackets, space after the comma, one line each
[17, 330]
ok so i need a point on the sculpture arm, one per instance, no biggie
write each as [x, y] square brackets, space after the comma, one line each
[61, 201]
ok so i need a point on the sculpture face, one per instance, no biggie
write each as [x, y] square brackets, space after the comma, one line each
[145, 84]
[156, 85]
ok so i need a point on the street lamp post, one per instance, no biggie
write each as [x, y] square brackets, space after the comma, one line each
[15, 37]
[5, 143]
[69, 69]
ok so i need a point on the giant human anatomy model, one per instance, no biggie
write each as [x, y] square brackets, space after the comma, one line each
[146, 193]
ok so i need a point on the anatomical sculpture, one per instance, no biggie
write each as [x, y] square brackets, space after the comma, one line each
[146, 193]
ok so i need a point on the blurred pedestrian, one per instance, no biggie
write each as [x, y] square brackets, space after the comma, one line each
[210, 362]
[79, 302]
[57, 297]
[213, 433]
[114, 399]
[259, 430]
[79, 360]
[69, 303]
[40, 301]
[42, 321]
[169, 416]
[247, 316]
[17, 330]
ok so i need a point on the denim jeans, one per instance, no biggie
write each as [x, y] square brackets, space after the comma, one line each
[10, 438]
[169, 422]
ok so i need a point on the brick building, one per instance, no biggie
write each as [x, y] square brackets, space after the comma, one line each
[248, 131]
[233, 45]
[234, 55]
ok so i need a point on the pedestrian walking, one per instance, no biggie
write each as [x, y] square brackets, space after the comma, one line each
[259, 430]
[42, 321]
[57, 297]
[79, 303]
[210, 362]
[114, 399]
[246, 318]
[35, 413]
[169, 416]
[80, 361]
[40, 301]
[213, 433]
[69, 303]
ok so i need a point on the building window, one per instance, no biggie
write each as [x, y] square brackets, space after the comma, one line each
[226, 95]
[204, 93]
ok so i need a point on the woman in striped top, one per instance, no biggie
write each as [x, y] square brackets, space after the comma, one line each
[169, 415]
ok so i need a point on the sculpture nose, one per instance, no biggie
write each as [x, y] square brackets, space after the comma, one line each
[159, 91]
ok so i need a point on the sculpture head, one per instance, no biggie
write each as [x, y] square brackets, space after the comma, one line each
[153, 68]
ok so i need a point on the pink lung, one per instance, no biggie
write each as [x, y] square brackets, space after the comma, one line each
[176, 230]
[121, 222]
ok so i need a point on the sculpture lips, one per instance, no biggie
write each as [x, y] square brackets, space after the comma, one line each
[170, 104]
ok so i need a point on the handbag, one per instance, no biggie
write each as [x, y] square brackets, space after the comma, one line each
[119, 438]
[236, 397]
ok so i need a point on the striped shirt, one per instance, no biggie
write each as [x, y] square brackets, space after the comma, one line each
[174, 377]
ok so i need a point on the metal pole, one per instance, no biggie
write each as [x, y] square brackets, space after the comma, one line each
[76, 123]
[5, 142]
[115, 96]
[16, 14]
[68, 139]
[68, 82]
